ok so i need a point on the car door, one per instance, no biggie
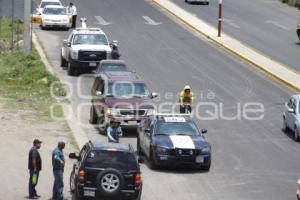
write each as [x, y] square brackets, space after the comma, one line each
[148, 138]
[290, 116]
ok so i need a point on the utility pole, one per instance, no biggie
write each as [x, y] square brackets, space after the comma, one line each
[220, 18]
[27, 27]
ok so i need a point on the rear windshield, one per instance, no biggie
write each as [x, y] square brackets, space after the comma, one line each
[112, 159]
[113, 67]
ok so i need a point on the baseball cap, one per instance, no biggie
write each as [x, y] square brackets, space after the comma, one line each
[37, 141]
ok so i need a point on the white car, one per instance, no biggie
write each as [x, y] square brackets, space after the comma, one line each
[291, 116]
[55, 17]
[198, 1]
[47, 3]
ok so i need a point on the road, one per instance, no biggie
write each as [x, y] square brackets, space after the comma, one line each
[265, 25]
[251, 159]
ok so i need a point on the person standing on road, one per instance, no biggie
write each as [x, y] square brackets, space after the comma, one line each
[73, 11]
[58, 164]
[114, 132]
[34, 166]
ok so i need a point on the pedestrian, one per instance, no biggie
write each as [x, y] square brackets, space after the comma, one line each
[58, 164]
[115, 55]
[114, 132]
[34, 166]
[73, 11]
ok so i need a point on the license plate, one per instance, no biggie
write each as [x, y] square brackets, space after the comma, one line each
[93, 64]
[89, 193]
[132, 122]
[199, 159]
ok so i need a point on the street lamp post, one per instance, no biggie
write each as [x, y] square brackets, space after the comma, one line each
[220, 18]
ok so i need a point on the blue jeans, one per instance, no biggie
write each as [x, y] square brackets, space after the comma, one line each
[31, 187]
[58, 186]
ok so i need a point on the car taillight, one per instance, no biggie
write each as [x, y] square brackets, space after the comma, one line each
[138, 180]
[81, 176]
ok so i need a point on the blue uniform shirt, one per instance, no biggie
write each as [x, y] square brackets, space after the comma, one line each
[57, 157]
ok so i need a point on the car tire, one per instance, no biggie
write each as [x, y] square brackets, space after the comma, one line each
[93, 116]
[284, 125]
[112, 189]
[72, 182]
[206, 167]
[71, 70]
[296, 134]
[63, 62]
[138, 147]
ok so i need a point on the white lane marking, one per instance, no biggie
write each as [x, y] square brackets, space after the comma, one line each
[230, 22]
[277, 24]
[101, 21]
[151, 21]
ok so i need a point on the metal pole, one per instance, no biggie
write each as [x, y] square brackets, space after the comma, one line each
[12, 23]
[27, 27]
[220, 18]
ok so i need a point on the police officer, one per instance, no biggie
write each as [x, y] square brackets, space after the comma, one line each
[34, 166]
[114, 132]
[73, 11]
[58, 164]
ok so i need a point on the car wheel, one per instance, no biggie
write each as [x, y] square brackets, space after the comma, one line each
[138, 147]
[296, 134]
[71, 70]
[110, 182]
[63, 62]
[93, 116]
[284, 125]
[72, 182]
[206, 167]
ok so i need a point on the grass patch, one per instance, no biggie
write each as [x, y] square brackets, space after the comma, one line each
[25, 81]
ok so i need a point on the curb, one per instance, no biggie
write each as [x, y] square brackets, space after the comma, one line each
[78, 133]
[240, 55]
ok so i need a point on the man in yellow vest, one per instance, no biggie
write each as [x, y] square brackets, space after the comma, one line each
[186, 99]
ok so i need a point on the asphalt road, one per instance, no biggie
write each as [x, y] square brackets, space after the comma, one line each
[251, 159]
[266, 25]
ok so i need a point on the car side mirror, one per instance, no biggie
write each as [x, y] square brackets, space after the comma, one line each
[153, 95]
[98, 93]
[66, 43]
[203, 131]
[291, 110]
[73, 156]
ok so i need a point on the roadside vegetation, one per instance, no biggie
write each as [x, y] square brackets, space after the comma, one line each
[24, 81]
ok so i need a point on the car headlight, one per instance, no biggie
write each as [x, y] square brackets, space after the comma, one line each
[206, 149]
[150, 111]
[74, 55]
[111, 111]
[161, 150]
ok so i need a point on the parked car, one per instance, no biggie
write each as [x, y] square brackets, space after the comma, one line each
[198, 1]
[173, 140]
[84, 49]
[45, 3]
[55, 16]
[121, 96]
[107, 170]
[111, 66]
[291, 116]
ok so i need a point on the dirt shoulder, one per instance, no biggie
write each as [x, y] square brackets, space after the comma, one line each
[18, 129]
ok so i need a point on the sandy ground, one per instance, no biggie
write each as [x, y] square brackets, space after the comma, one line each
[17, 131]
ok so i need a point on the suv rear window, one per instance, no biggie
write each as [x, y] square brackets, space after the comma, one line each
[111, 159]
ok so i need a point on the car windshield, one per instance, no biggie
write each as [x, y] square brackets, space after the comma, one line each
[54, 11]
[43, 4]
[127, 90]
[113, 67]
[176, 128]
[92, 39]
[112, 159]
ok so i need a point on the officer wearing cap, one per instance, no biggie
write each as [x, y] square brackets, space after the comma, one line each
[58, 164]
[34, 166]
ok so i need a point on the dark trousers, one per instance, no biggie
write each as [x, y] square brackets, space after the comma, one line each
[58, 186]
[74, 18]
[185, 108]
[31, 187]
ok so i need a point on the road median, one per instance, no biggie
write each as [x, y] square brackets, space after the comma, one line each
[273, 68]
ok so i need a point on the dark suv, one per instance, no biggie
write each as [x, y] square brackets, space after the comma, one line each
[121, 96]
[109, 171]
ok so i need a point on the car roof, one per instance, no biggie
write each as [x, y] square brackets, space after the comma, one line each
[114, 76]
[54, 6]
[112, 62]
[110, 145]
[88, 30]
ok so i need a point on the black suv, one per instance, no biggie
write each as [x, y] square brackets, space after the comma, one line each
[106, 170]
